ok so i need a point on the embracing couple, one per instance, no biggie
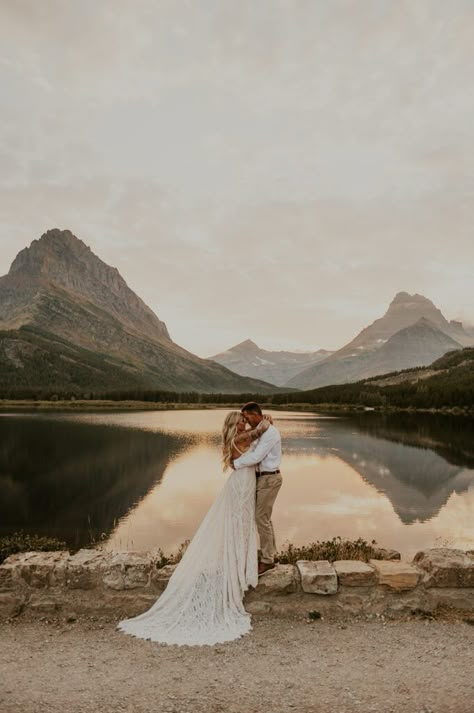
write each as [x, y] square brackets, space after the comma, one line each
[203, 601]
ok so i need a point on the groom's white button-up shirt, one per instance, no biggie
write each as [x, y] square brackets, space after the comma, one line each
[266, 454]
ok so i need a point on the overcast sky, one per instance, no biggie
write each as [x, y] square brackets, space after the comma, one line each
[272, 169]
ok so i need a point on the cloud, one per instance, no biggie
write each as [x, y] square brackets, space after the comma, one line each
[267, 170]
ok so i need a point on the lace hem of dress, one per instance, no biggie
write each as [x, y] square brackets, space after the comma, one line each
[202, 603]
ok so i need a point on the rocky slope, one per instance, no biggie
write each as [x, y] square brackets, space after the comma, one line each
[58, 288]
[417, 345]
[32, 359]
[450, 365]
[247, 359]
[413, 332]
[61, 265]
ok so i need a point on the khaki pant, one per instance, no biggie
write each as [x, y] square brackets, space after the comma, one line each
[267, 490]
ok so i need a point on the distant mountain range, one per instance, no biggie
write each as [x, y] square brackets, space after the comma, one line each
[278, 368]
[69, 320]
[446, 383]
[413, 332]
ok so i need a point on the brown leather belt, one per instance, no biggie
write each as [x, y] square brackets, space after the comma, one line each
[268, 472]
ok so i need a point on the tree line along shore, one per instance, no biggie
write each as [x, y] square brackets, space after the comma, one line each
[76, 404]
[447, 385]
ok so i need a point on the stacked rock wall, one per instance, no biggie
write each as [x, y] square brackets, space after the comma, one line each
[127, 583]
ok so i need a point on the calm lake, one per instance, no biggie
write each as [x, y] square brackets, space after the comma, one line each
[138, 480]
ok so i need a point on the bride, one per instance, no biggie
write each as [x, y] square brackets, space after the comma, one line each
[202, 603]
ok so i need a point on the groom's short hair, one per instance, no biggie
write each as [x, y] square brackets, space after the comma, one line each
[251, 407]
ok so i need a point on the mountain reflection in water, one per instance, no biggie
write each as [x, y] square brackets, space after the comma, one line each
[146, 479]
[75, 481]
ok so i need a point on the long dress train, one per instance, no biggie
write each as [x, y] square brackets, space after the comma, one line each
[202, 603]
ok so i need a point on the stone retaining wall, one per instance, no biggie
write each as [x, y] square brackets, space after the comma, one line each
[126, 583]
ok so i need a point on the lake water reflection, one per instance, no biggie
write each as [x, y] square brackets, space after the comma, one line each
[146, 479]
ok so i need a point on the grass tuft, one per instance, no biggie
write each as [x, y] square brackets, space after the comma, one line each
[164, 559]
[21, 542]
[331, 550]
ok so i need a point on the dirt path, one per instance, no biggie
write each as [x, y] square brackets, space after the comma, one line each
[416, 666]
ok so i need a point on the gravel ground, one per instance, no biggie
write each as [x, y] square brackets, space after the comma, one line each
[412, 666]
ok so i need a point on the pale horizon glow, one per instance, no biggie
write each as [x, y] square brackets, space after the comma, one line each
[275, 171]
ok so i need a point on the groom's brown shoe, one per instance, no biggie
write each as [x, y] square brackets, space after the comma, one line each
[265, 567]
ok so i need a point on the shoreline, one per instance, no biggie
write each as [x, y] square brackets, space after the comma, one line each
[129, 405]
[113, 581]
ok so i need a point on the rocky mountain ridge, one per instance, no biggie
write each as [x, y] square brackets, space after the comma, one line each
[445, 385]
[59, 287]
[60, 261]
[276, 367]
[423, 335]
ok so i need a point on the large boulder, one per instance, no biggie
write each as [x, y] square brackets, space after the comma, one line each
[86, 568]
[317, 577]
[280, 580]
[397, 575]
[35, 569]
[127, 570]
[354, 573]
[443, 567]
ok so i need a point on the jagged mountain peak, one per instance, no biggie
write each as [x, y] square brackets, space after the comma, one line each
[64, 294]
[58, 260]
[405, 297]
[276, 367]
[60, 237]
[246, 346]
[403, 311]
[406, 302]
[412, 332]
[54, 244]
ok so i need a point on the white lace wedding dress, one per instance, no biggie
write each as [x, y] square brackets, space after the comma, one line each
[202, 603]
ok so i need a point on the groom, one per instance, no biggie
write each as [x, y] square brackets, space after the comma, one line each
[266, 456]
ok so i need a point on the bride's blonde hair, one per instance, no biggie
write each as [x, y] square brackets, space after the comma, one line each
[229, 431]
